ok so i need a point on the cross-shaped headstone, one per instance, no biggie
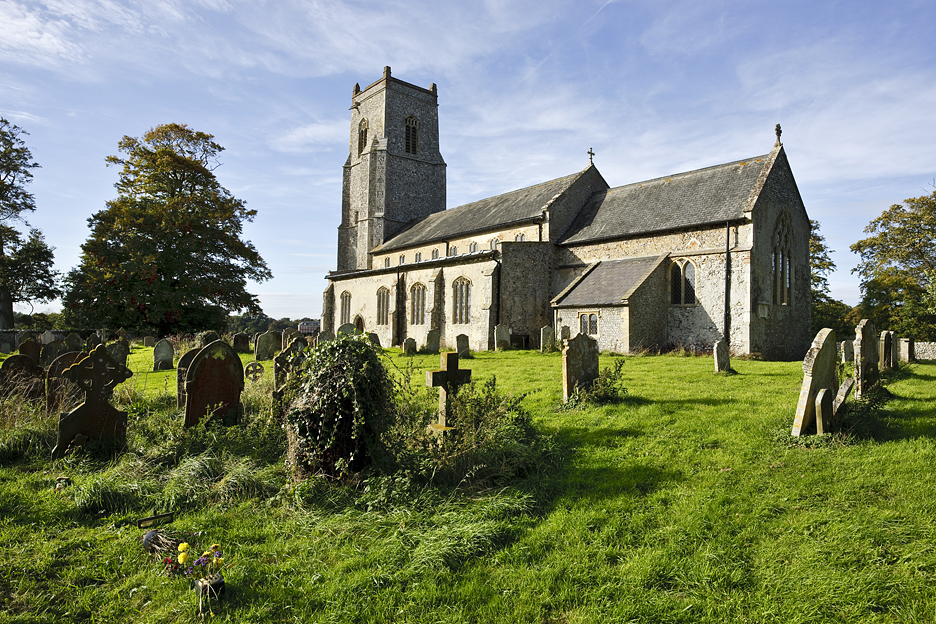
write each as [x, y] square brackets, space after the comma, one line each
[447, 380]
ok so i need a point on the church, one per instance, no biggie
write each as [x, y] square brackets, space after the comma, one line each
[682, 260]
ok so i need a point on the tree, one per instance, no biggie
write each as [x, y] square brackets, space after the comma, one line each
[826, 311]
[25, 266]
[166, 255]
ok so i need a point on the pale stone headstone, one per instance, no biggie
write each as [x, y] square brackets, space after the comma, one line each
[907, 350]
[31, 348]
[823, 411]
[241, 342]
[819, 372]
[433, 341]
[47, 337]
[409, 346]
[213, 385]
[181, 371]
[22, 375]
[267, 345]
[96, 418]
[348, 329]
[73, 342]
[848, 351]
[842, 394]
[59, 390]
[163, 355]
[547, 339]
[579, 364]
[149, 341]
[866, 357]
[374, 338]
[885, 357]
[51, 351]
[501, 337]
[722, 358]
[447, 380]
[461, 345]
[119, 352]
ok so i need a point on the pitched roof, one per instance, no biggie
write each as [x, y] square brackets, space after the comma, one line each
[485, 214]
[711, 195]
[608, 283]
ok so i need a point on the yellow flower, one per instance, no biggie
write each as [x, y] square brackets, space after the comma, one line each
[183, 547]
[219, 561]
[183, 557]
[216, 547]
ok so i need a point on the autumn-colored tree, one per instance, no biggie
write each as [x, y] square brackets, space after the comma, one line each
[166, 255]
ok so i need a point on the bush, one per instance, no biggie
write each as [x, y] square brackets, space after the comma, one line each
[607, 388]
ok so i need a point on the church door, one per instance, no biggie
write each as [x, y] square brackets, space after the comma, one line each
[359, 323]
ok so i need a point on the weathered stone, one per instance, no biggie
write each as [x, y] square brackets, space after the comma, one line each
[73, 342]
[21, 375]
[267, 345]
[119, 352]
[23, 336]
[409, 346]
[866, 357]
[254, 371]
[348, 329]
[848, 351]
[547, 339]
[461, 345]
[181, 371]
[501, 337]
[564, 333]
[823, 411]
[213, 385]
[907, 349]
[51, 351]
[579, 364]
[722, 357]
[433, 341]
[241, 342]
[446, 379]
[6, 347]
[895, 350]
[92, 341]
[374, 338]
[97, 375]
[149, 341]
[325, 336]
[886, 346]
[205, 338]
[163, 355]
[60, 392]
[290, 334]
[47, 337]
[840, 397]
[819, 372]
[31, 348]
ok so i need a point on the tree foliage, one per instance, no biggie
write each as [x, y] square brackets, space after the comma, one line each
[825, 311]
[15, 162]
[166, 255]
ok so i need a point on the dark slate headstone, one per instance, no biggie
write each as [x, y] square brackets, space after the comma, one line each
[73, 342]
[461, 345]
[96, 418]
[409, 346]
[579, 364]
[60, 391]
[119, 352]
[241, 342]
[181, 371]
[886, 353]
[31, 348]
[20, 375]
[374, 338]
[163, 355]
[267, 345]
[867, 351]
[213, 385]
[50, 352]
[207, 337]
[23, 335]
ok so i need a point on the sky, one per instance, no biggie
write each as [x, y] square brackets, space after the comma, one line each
[525, 89]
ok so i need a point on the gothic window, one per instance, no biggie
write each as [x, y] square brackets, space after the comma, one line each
[682, 283]
[386, 261]
[494, 243]
[402, 258]
[362, 136]
[435, 254]
[418, 257]
[412, 135]
[520, 238]
[588, 324]
[418, 305]
[383, 306]
[473, 248]
[345, 307]
[783, 262]
[461, 301]
[453, 250]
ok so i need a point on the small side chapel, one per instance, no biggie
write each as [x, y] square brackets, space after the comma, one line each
[681, 260]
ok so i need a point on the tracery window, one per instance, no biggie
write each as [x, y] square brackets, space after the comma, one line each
[682, 283]
[418, 305]
[345, 307]
[383, 306]
[412, 135]
[588, 324]
[362, 136]
[461, 301]
[783, 262]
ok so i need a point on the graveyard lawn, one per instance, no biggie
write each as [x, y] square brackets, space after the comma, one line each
[688, 501]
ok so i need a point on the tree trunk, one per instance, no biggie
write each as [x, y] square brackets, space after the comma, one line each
[6, 309]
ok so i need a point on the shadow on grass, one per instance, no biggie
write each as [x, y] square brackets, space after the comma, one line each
[604, 482]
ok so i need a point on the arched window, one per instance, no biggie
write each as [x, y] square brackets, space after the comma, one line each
[494, 243]
[588, 324]
[473, 248]
[461, 301]
[402, 258]
[453, 250]
[386, 261]
[418, 305]
[383, 306]
[345, 307]
[412, 135]
[418, 257]
[362, 136]
[783, 262]
[520, 238]
[682, 283]
[435, 254]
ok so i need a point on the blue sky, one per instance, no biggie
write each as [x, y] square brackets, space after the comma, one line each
[525, 89]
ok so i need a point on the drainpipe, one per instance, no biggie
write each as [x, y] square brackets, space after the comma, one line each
[727, 328]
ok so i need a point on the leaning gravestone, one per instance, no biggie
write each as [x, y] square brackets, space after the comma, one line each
[267, 345]
[547, 339]
[886, 353]
[819, 372]
[149, 341]
[866, 357]
[241, 342]
[348, 329]
[47, 337]
[31, 348]
[207, 337]
[722, 357]
[163, 355]
[433, 342]
[290, 334]
[501, 338]
[73, 342]
[181, 371]
[461, 345]
[20, 375]
[213, 385]
[579, 364]
[96, 418]
[409, 347]
[59, 390]
[119, 352]
[50, 352]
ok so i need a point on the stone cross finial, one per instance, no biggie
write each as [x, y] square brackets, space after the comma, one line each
[778, 131]
[591, 156]
[447, 380]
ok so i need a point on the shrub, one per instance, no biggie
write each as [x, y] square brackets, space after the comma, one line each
[607, 388]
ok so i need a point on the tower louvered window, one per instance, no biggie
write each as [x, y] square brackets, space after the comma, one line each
[362, 136]
[383, 306]
[461, 301]
[412, 135]
[418, 305]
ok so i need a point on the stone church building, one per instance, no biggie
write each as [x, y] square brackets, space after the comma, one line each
[680, 260]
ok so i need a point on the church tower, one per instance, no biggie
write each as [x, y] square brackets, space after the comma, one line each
[394, 174]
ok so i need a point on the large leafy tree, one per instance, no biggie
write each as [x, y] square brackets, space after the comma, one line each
[167, 254]
[898, 262]
[826, 311]
[26, 272]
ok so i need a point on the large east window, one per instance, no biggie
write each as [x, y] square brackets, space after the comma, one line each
[461, 301]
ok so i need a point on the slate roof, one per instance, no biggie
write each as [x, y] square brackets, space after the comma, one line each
[609, 283]
[485, 214]
[711, 195]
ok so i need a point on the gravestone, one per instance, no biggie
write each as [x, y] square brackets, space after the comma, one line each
[21, 375]
[827, 421]
[254, 371]
[47, 337]
[907, 350]
[92, 341]
[205, 338]
[96, 418]
[866, 357]
[886, 354]
[73, 342]
[579, 364]
[895, 349]
[22, 336]
[121, 335]
[163, 355]
[6, 346]
[31, 348]
[325, 336]
[119, 352]
[289, 334]
[848, 351]
[348, 329]
[213, 385]
[50, 352]
[446, 379]
[59, 390]
[374, 338]
[564, 333]
[461, 345]
[432, 341]
[181, 371]
[241, 342]
[409, 346]
[819, 372]
[501, 338]
[547, 339]
[149, 341]
[267, 345]
[722, 357]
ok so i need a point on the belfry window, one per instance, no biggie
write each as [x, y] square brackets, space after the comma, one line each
[412, 135]
[461, 301]
[345, 307]
[362, 136]
[682, 283]
[783, 262]
[418, 305]
[383, 306]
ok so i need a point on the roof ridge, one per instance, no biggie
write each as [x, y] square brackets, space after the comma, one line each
[522, 188]
[686, 173]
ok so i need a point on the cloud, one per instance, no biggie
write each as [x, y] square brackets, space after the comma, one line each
[312, 137]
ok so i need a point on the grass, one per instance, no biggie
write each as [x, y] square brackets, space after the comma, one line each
[685, 502]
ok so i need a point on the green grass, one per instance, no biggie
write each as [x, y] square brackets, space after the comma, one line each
[686, 502]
